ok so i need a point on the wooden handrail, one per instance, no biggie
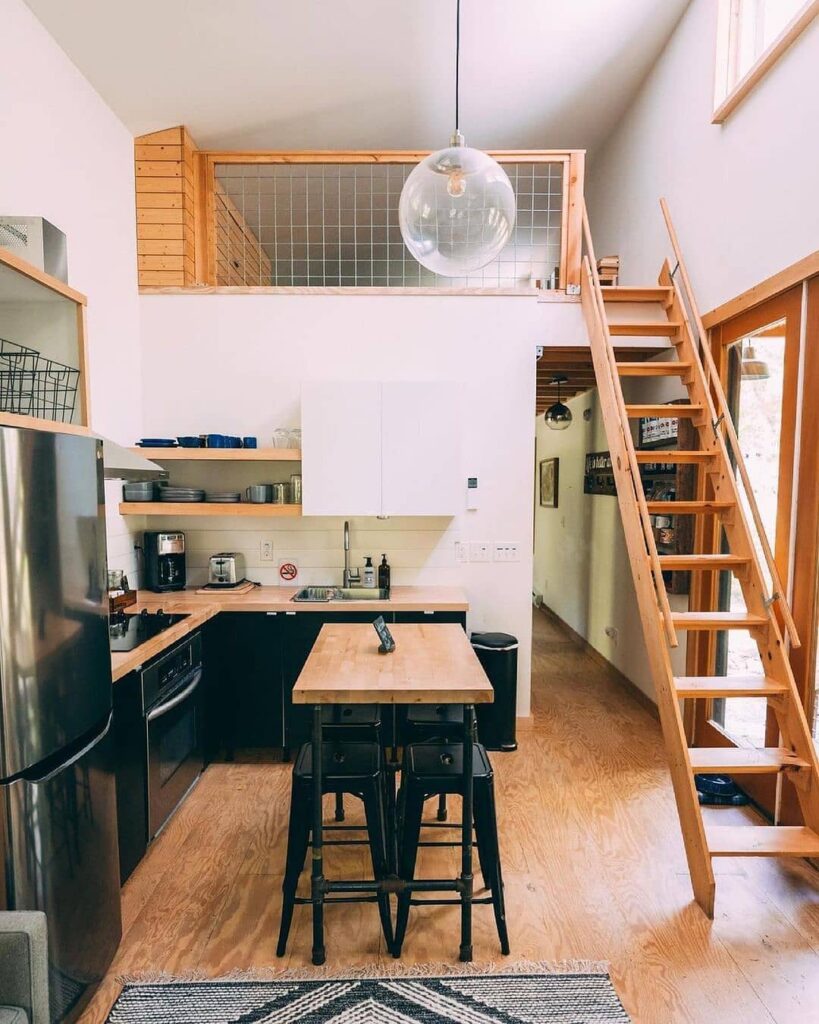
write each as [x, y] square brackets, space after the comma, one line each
[628, 444]
[722, 417]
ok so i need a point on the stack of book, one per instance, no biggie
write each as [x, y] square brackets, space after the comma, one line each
[608, 267]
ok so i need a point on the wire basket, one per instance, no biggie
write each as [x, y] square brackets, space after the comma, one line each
[31, 385]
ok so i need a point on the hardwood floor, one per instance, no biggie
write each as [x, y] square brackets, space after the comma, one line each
[593, 864]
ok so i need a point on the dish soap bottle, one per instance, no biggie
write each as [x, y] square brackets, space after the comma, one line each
[384, 574]
[369, 572]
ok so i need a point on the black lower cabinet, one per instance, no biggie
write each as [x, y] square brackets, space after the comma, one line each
[131, 773]
[300, 631]
[244, 682]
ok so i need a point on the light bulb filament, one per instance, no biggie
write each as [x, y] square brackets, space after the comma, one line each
[456, 183]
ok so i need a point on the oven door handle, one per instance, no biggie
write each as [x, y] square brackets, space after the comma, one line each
[175, 701]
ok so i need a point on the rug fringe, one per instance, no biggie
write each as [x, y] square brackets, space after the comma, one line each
[441, 969]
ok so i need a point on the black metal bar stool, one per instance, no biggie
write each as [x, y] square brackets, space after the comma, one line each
[425, 723]
[432, 769]
[350, 722]
[356, 768]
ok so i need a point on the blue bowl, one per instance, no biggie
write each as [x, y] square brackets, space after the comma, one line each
[217, 441]
[234, 442]
[189, 442]
[249, 442]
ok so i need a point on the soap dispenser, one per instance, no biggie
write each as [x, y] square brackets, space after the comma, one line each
[384, 574]
[369, 572]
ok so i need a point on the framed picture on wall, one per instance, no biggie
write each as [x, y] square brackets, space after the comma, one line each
[549, 482]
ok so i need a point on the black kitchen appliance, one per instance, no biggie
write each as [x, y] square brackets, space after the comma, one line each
[126, 631]
[164, 561]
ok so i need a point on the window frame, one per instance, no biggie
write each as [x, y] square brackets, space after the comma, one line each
[728, 98]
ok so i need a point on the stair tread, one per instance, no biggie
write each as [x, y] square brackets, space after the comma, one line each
[761, 841]
[744, 760]
[675, 456]
[728, 686]
[626, 293]
[651, 369]
[676, 508]
[664, 411]
[644, 328]
[703, 561]
[717, 620]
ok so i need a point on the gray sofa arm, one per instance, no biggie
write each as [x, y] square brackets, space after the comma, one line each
[24, 964]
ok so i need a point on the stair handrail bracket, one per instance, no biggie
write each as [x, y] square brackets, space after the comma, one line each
[624, 429]
[722, 421]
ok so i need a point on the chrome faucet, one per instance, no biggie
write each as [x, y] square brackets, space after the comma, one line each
[349, 577]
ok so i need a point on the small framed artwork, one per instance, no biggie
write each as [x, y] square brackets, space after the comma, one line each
[549, 482]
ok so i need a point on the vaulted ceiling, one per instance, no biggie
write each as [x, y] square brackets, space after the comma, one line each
[358, 74]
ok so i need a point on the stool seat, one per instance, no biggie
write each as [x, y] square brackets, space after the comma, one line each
[439, 767]
[346, 715]
[436, 714]
[342, 764]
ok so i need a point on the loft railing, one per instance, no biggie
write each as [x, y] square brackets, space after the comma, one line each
[611, 387]
[250, 220]
[722, 421]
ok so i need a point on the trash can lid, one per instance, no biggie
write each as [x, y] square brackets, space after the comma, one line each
[494, 641]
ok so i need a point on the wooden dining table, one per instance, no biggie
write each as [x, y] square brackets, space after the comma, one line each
[433, 663]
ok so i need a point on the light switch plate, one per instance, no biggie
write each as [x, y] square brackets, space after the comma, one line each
[506, 551]
[461, 552]
[480, 551]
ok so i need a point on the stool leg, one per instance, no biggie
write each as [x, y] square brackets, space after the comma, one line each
[466, 879]
[298, 836]
[375, 813]
[442, 811]
[412, 810]
[486, 828]
[339, 815]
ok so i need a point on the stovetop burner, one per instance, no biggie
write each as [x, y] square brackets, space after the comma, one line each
[126, 632]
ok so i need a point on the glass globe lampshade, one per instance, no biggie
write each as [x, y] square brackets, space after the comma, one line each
[558, 416]
[457, 210]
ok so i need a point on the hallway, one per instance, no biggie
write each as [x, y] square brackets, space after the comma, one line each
[593, 863]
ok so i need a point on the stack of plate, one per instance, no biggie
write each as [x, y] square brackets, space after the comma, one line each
[224, 497]
[170, 493]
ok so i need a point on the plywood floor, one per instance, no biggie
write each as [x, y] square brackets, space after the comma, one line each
[593, 861]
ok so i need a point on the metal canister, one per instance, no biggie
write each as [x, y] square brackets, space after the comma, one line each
[295, 488]
[279, 494]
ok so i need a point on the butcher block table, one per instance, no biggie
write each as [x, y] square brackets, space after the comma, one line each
[433, 663]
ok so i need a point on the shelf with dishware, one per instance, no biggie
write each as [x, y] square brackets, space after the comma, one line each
[220, 454]
[204, 508]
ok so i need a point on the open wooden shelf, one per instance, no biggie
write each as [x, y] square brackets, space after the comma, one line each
[220, 454]
[206, 508]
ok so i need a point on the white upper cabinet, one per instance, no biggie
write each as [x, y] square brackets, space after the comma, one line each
[380, 449]
[341, 449]
[420, 451]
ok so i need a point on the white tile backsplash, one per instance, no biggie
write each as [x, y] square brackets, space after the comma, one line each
[122, 532]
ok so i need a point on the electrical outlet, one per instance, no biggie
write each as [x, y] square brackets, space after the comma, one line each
[480, 551]
[612, 633]
[266, 551]
[505, 551]
[461, 552]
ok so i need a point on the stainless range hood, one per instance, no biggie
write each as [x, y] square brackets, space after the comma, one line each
[122, 464]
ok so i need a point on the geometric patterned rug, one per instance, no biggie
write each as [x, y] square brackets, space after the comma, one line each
[490, 999]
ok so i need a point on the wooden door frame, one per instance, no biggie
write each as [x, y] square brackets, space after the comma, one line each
[701, 654]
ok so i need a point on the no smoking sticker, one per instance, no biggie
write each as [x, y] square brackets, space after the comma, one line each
[288, 571]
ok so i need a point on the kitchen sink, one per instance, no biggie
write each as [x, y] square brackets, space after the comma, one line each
[326, 594]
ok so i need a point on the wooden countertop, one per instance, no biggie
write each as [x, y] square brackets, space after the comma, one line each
[201, 607]
[433, 663]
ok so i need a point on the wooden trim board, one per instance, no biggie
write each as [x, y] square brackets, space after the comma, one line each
[41, 277]
[780, 282]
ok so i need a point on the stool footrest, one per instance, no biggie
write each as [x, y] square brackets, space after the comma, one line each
[449, 903]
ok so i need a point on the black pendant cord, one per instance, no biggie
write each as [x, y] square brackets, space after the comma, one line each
[457, 62]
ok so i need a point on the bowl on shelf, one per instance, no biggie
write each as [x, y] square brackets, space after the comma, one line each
[138, 491]
[189, 441]
[156, 442]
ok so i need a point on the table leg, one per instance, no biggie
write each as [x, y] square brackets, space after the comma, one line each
[467, 880]
[317, 874]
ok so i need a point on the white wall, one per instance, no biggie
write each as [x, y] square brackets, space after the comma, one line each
[581, 564]
[66, 157]
[743, 194]
[234, 364]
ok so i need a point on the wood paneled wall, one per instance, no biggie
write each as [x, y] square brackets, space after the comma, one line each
[240, 259]
[165, 202]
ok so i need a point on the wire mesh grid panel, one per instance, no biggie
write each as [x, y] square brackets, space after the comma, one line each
[336, 225]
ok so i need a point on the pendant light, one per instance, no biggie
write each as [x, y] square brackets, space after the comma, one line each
[457, 207]
[558, 416]
[753, 368]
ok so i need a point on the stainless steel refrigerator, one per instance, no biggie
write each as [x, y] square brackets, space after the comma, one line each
[58, 834]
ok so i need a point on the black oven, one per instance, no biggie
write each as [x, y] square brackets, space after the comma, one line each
[171, 694]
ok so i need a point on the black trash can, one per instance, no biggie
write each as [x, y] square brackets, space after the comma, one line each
[498, 653]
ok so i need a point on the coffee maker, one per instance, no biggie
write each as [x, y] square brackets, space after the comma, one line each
[164, 561]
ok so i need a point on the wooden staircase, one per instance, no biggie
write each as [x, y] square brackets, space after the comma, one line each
[669, 311]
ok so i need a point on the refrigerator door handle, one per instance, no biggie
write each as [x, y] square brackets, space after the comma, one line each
[41, 779]
[163, 709]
